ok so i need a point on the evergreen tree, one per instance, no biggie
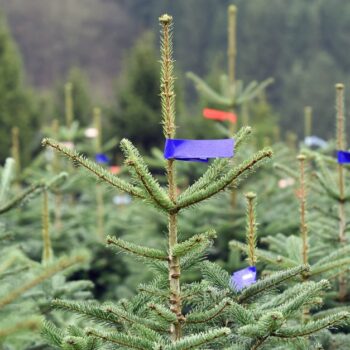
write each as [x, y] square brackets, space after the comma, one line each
[75, 92]
[322, 241]
[232, 93]
[212, 313]
[27, 287]
[18, 106]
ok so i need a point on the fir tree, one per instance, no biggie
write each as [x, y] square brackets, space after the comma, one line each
[233, 93]
[322, 241]
[18, 106]
[75, 93]
[28, 286]
[212, 313]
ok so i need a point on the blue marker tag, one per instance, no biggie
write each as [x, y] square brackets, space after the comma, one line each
[343, 157]
[101, 158]
[198, 150]
[243, 278]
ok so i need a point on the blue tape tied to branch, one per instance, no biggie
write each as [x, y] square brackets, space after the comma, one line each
[198, 150]
[243, 278]
[101, 158]
[343, 157]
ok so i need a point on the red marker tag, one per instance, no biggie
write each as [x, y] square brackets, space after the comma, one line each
[219, 115]
[114, 169]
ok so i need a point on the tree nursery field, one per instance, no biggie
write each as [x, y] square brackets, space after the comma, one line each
[183, 210]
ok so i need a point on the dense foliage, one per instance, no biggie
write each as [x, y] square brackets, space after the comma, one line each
[192, 234]
[18, 106]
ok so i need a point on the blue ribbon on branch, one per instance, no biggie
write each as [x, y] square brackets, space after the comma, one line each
[198, 150]
[243, 278]
[343, 157]
[101, 158]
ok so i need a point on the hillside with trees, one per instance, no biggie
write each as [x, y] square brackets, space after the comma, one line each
[301, 44]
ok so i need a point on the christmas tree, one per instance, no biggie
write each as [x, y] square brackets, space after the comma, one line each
[216, 312]
[27, 286]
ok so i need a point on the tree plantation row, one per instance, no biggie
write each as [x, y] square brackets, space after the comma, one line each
[234, 237]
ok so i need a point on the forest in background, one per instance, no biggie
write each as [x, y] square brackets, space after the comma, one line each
[301, 44]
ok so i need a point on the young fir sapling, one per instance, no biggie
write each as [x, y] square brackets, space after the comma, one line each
[341, 145]
[232, 93]
[246, 277]
[307, 121]
[15, 150]
[69, 107]
[312, 141]
[168, 314]
[321, 242]
[333, 189]
[312, 245]
[58, 285]
[19, 275]
[72, 135]
[99, 189]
